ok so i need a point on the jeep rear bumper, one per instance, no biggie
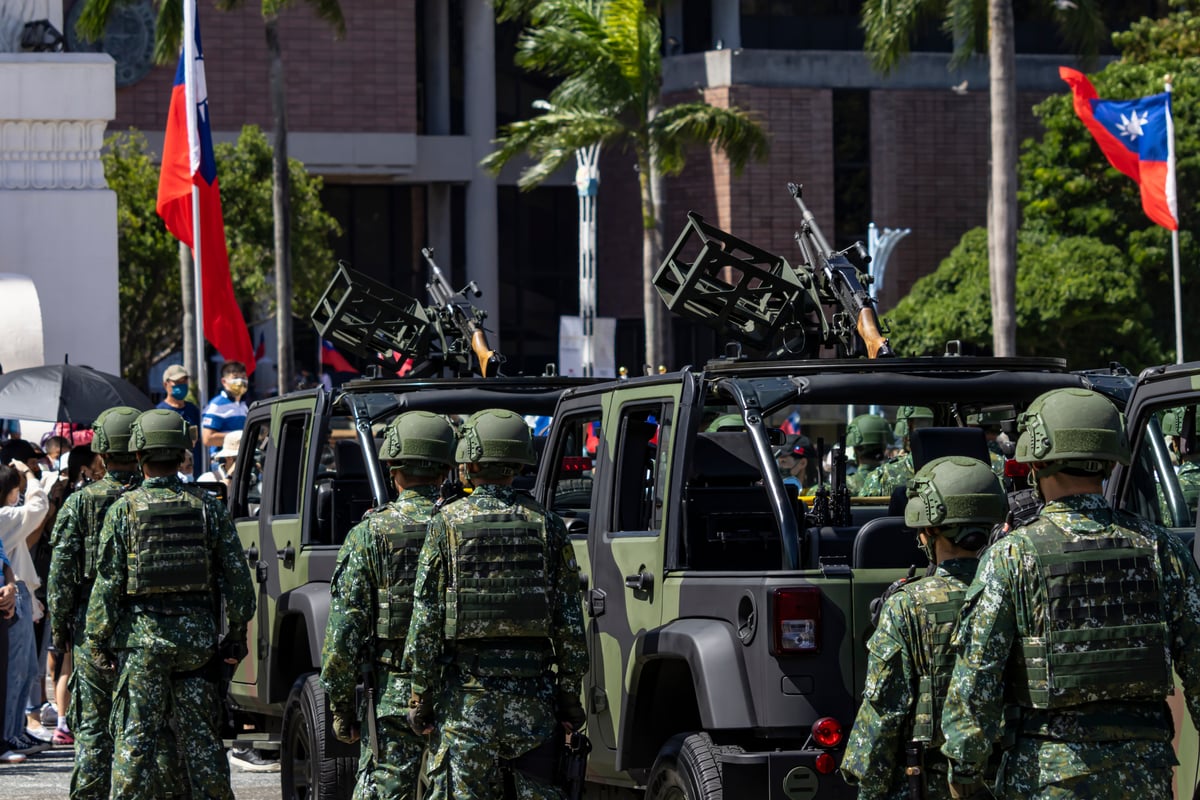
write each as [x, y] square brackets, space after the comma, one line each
[780, 775]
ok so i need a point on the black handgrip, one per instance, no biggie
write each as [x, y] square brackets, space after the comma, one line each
[642, 582]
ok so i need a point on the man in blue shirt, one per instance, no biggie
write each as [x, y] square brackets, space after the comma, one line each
[226, 412]
[176, 383]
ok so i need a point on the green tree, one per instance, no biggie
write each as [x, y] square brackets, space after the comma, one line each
[149, 291]
[1077, 298]
[93, 19]
[890, 26]
[608, 54]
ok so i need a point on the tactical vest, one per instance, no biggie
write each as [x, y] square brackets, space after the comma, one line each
[1102, 634]
[938, 614]
[394, 601]
[169, 560]
[499, 583]
[97, 498]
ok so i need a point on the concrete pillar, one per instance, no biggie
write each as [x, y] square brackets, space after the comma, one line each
[437, 123]
[727, 24]
[479, 120]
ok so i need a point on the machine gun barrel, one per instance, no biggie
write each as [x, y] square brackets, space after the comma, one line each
[838, 275]
[469, 321]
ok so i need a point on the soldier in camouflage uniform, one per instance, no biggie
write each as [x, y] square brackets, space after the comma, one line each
[168, 560]
[75, 543]
[1186, 451]
[953, 502]
[1077, 618]
[371, 606]
[497, 631]
[896, 472]
[869, 435]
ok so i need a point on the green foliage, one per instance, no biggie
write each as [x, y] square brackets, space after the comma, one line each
[149, 256]
[245, 173]
[1077, 298]
[148, 259]
[1176, 36]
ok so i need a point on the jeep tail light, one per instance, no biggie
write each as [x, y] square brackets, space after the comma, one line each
[827, 732]
[797, 620]
[825, 764]
[1015, 469]
[576, 464]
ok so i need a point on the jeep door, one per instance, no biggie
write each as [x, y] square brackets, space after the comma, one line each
[1163, 485]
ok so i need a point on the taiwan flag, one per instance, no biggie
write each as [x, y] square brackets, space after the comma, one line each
[1138, 137]
[330, 357]
[187, 162]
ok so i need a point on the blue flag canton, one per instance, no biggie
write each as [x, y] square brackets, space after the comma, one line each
[1140, 125]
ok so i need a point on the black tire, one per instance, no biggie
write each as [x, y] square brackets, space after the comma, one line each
[310, 766]
[686, 769]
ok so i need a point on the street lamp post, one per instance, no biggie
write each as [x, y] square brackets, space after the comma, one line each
[587, 182]
[879, 248]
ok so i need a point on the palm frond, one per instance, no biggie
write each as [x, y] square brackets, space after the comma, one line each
[551, 140]
[734, 132]
[565, 42]
[168, 31]
[964, 19]
[93, 19]
[889, 26]
[330, 12]
[1082, 25]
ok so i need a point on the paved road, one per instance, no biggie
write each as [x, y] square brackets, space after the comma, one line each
[47, 776]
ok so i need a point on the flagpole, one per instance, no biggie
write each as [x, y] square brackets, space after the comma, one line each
[1176, 279]
[189, 51]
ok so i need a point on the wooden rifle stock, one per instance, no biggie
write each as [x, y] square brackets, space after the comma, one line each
[868, 329]
[486, 355]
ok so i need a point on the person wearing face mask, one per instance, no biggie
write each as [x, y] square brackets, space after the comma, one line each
[226, 412]
[177, 384]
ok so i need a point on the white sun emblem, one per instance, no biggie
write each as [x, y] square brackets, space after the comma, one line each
[1131, 126]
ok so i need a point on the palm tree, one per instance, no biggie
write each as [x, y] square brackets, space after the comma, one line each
[608, 54]
[168, 33]
[889, 27]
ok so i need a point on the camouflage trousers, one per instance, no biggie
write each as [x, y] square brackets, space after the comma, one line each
[394, 776]
[476, 729]
[88, 715]
[1036, 769]
[149, 702]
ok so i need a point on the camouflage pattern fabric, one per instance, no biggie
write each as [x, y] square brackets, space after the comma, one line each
[482, 718]
[891, 475]
[861, 480]
[1189, 483]
[874, 759]
[80, 519]
[362, 568]
[1111, 749]
[156, 652]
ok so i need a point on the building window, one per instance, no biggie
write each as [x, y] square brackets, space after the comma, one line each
[851, 166]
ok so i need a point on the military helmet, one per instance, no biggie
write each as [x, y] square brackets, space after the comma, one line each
[495, 436]
[868, 430]
[161, 434]
[956, 492]
[419, 440]
[1075, 427]
[1173, 419]
[906, 413]
[111, 430]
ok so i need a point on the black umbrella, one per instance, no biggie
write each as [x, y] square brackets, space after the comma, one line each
[65, 393]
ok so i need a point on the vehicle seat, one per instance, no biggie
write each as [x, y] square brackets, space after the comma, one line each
[350, 491]
[886, 543]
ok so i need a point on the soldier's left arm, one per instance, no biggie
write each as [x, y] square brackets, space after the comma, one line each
[104, 607]
[351, 606]
[1181, 590]
[567, 632]
[66, 574]
[233, 573]
[424, 644]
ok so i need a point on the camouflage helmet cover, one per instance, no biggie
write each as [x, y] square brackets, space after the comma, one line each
[906, 413]
[111, 430]
[1077, 427]
[1173, 419]
[161, 434]
[495, 436]
[419, 439]
[955, 492]
[867, 430]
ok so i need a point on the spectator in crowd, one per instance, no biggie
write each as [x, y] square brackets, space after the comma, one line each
[187, 468]
[224, 460]
[83, 467]
[177, 383]
[19, 524]
[57, 449]
[226, 412]
[8, 602]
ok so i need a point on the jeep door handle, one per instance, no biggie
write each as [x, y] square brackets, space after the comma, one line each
[252, 554]
[641, 582]
[287, 555]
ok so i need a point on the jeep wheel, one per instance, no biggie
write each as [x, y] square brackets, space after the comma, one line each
[307, 771]
[686, 769]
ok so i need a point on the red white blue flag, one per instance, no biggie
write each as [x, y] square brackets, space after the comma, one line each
[1138, 138]
[188, 161]
[331, 358]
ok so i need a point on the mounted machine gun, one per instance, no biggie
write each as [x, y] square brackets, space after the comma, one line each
[363, 316]
[762, 301]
